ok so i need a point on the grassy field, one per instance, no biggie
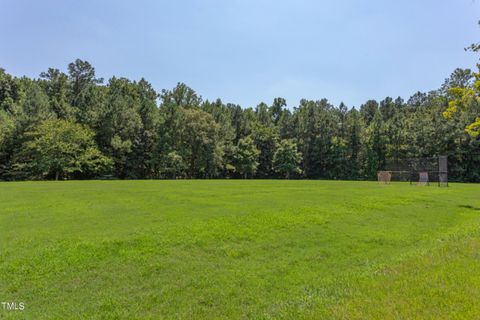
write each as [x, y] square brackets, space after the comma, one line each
[239, 250]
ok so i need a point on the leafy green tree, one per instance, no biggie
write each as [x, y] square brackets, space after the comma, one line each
[265, 139]
[375, 146]
[172, 130]
[467, 100]
[263, 114]
[198, 145]
[143, 157]
[388, 108]
[464, 88]
[277, 109]
[174, 165]
[246, 157]
[10, 111]
[181, 96]
[460, 78]
[35, 105]
[7, 127]
[86, 96]
[308, 132]
[222, 116]
[396, 138]
[57, 87]
[60, 148]
[9, 93]
[368, 110]
[121, 126]
[7, 124]
[417, 101]
[353, 127]
[286, 125]
[317, 124]
[338, 153]
[287, 159]
[342, 110]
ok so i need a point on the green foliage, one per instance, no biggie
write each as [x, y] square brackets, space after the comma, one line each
[463, 88]
[245, 157]
[181, 96]
[198, 141]
[474, 128]
[287, 159]
[121, 126]
[265, 139]
[353, 135]
[174, 166]
[60, 148]
[368, 110]
[57, 87]
[9, 92]
[176, 134]
[7, 124]
[375, 142]
[35, 105]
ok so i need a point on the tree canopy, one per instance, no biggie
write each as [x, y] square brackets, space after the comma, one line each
[287, 159]
[75, 125]
[60, 148]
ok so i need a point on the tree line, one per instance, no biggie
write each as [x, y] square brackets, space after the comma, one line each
[74, 125]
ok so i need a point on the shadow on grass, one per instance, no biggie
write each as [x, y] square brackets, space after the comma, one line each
[470, 207]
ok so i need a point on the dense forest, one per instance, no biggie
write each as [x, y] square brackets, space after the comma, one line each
[73, 125]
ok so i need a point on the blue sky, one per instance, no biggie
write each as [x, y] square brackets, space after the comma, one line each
[248, 51]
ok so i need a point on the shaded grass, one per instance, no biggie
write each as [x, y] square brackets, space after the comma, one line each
[239, 249]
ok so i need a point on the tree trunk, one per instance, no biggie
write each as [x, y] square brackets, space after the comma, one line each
[56, 175]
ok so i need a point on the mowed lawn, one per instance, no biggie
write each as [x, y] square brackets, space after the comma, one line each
[239, 250]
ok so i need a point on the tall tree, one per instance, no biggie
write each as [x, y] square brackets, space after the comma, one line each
[199, 143]
[181, 96]
[59, 148]
[287, 159]
[86, 99]
[466, 100]
[353, 127]
[246, 157]
[375, 146]
[368, 110]
[143, 158]
[265, 139]
[121, 125]
[277, 109]
[57, 87]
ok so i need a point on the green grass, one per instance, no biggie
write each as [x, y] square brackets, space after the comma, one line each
[239, 250]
